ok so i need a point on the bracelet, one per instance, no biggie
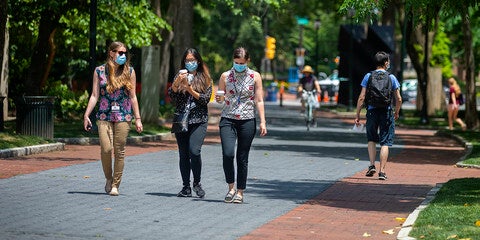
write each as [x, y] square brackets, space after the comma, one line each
[138, 118]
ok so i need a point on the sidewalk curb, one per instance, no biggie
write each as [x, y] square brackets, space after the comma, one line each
[28, 150]
[61, 142]
[407, 226]
[130, 140]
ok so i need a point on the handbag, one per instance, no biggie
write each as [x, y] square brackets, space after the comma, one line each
[180, 120]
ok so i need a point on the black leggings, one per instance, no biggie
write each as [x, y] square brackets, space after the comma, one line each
[189, 150]
[241, 132]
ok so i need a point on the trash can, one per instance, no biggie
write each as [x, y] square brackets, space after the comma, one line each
[272, 91]
[35, 116]
[2, 127]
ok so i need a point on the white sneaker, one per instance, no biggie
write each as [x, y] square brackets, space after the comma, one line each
[114, 191]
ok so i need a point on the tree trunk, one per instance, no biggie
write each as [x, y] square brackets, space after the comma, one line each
[42, 57]
[416, 37]
[471, 118]
[4, 45]
[435, 94]
[165, 46]
[183, 29]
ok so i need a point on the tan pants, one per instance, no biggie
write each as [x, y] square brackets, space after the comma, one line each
[113, 136]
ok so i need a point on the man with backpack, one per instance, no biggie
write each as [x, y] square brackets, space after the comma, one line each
[379, 88]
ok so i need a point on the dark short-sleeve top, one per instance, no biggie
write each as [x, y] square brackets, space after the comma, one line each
[199, 107]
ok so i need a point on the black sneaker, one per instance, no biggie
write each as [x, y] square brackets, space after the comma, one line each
[198, 190]
[186, 192]
[371, 171]
[382, 176]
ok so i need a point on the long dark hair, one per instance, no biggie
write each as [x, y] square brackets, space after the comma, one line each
[203, 74]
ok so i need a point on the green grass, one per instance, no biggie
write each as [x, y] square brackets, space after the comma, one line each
[74, 128]
[8, 140]
[65, 129]
[474, 138]
[453, 213]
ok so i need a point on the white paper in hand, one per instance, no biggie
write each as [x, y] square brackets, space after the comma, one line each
[357, 128]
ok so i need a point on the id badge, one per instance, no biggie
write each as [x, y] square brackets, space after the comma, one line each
[115, 108]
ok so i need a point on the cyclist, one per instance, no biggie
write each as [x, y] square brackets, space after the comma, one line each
[309, 83]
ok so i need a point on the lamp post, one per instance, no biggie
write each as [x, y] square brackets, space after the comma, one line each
[317, 26]
[351, 14]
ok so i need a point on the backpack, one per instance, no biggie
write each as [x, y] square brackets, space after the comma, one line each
[379, 90]
[461, 99]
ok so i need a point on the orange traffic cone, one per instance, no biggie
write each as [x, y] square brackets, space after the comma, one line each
[325, 97]
[336, 97]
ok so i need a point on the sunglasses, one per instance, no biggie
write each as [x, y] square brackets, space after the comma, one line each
[120, 52]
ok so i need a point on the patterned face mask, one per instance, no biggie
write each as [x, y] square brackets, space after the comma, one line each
[191, 66]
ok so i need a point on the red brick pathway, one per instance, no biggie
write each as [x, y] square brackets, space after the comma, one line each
[359, 205]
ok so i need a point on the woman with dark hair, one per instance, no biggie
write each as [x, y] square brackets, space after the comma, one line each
[243, 94]
[192, 88]
[114, 87]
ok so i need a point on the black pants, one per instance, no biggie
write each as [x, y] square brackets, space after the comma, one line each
[242, 133]
[189, 150]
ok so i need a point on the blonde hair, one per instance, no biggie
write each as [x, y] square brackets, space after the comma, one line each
[118, 75]
[453, 83]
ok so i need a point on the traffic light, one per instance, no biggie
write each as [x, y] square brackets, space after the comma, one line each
[270, 47]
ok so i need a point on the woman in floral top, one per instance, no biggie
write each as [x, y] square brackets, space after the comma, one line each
[195, 94]
[243, 95]
[114, 89]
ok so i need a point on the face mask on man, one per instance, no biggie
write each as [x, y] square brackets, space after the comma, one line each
[191, 66]
[121, 59]
[239, 67]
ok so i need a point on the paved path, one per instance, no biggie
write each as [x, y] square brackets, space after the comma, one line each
[302, 185]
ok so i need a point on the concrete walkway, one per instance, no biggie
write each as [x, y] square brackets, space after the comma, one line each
[302, 185]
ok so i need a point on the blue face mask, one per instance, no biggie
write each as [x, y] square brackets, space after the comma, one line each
[191, 66]
[121, 59]
[239, 67]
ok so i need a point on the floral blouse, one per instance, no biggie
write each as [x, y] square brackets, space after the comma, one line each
[240, 95]
[198, 108]
[116, 106]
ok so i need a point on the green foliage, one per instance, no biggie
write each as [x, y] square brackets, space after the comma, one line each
[132, 22]
[441, 53]
[453, 28]
[67, 103]
[220, 26]
[362, 10]
[166, 110]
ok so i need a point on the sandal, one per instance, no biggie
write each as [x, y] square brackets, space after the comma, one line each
[238, 199]
[230, 196]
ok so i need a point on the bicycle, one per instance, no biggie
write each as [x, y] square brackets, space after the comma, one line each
[310, 99]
